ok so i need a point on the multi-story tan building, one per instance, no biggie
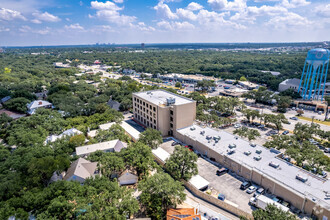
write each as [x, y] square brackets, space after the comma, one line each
[163, 110]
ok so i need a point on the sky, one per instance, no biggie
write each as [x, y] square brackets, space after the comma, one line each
[75, 22]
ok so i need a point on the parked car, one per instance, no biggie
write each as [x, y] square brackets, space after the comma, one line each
[174, 143]
[294, 118]
[327, 150]
[251, 189]
[285, 132]
[222, 171]
[237, 125]
[259, 191]
[222, 197]
[245, 185]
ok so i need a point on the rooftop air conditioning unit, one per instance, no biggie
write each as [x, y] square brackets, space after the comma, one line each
[192, 128]
[257, 158]
[301, 178]
[231, 152]
[247, 153]
[253, 145]
[275, 165]
[232, 146]
[258, 151]
[202, 132]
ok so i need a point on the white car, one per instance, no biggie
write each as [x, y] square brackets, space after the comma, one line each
[251, 189]
[237, 125]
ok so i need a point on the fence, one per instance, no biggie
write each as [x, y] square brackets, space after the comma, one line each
[216, 202]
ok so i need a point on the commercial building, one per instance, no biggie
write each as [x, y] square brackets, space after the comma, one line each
[163, 110]
[289, 84]
[248, 85]
[302, 189]
[185, 78]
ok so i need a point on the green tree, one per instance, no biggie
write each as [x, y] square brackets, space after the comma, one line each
[17, 104]
[151, 138]
[159, 192]
[272, 213]
[178, 85]
[77, 140]
[243, 78]
[182, 163]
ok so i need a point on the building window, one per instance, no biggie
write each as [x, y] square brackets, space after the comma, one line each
[144, 103]
[147, 105]
[171, 125]
[150, 107]
[154, 109]
[171, 112]
[134, 98]
[155, 121]
[171, 118]
[154, 126]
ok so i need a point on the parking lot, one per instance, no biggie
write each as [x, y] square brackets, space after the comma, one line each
[227, 184]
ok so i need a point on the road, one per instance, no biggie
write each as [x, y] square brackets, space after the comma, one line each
[205, 207]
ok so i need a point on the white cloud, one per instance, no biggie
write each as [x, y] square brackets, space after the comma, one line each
[143, 27]
[74, 27]
[28, 29]
[323, 10]
[175, 25]
[164, 11]
[118, 1]
[236, 5]
[105, 6]
[45, 17]
[25, 29]
[294, 3]
[193, 6]
[108, 11]
[9, 15]
[186, 14]
[4, 29]
[290, 20]
[36, 21]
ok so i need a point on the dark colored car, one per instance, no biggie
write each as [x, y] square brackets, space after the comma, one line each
[222, 171]
[285, 132]
[245, 185]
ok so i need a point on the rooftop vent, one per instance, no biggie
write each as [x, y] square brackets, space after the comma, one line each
[149, 93]
[231, 146]
[273, 164]
[253, 145]
[258, 151]
[208, 137]
[231, 152]
[202, 132]
[247, 153]
[216, 138]
[170, 101]
[257, 158]
[301, 178]
[192, 128]
[40, 103]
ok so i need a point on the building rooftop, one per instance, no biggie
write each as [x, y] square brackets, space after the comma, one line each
[160, 97]
[294, 81]
[245, 154]
[81, 168]
[117, 145]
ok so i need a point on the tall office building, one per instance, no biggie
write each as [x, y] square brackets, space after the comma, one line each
[164, 111]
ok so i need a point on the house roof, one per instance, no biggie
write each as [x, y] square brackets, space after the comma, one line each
[114, 104]
[81, 168]
[161, 154]
[127, 176]
[106, 126]
[38, 104]
[69, 132]
[198, 182]
[117, 145]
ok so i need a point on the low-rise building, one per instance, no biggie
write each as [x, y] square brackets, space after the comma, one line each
[186, 78]
[289, 84]
[80, 170]
[36, 104]
[163, 110]
[69, 132]
[248, 85]
[127, 178]
[108, 146]
[183, 214]
[301, 188]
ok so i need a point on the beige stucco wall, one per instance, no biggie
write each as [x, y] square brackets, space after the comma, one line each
[184, 115]
[163, 118]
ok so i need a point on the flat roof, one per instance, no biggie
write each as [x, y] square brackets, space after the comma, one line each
[199, 182]
[87, 149]
[161, 154]
[130, 130]
[159, 97]
[314, 188]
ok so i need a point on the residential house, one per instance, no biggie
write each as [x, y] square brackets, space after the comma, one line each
[127, 178]
[103, 127]
[183, 214]
[33, 106]
[80, 170]
[70, 132]
[108, 146]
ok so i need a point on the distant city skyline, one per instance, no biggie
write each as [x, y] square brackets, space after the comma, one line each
[74, 22]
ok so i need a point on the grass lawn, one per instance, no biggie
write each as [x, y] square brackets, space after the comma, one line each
[315, 120]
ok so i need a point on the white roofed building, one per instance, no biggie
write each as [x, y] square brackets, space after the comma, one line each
[108, 146]
[69, 132]
[33, 106]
